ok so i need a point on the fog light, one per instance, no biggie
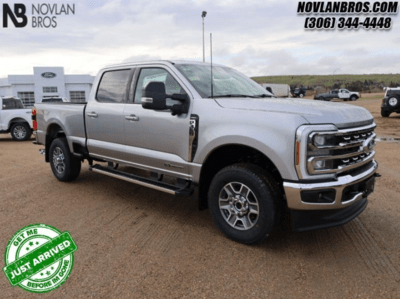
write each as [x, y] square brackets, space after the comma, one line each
[319, 196]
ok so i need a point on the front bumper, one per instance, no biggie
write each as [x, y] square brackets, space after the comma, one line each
[293, 191]
[349, 198]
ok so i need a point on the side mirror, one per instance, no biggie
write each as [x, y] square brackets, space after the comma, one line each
[154, 96]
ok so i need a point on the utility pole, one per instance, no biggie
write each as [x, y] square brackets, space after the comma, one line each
[203, 15]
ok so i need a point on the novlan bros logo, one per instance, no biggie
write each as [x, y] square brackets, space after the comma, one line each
[44, 15]
[19, 12]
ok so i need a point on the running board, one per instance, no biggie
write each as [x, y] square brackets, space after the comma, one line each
[186, 190]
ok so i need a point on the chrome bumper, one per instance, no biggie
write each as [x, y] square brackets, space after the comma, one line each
[293, 191]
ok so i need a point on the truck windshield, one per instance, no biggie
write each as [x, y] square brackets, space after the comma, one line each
[227, 82]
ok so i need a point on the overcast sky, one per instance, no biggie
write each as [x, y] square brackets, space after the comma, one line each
[255, 37]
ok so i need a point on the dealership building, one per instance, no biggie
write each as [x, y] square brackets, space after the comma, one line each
[46, 82]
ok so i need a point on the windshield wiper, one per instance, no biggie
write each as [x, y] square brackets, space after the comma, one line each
[233, 96]
[263, 96]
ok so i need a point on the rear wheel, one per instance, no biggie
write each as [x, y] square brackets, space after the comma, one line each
[21, 131]
[242, 202]
[64, 165]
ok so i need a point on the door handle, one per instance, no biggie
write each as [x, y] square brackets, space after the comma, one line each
[132, 117]
[92, 114]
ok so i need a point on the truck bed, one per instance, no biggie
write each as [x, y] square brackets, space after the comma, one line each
[70, 117]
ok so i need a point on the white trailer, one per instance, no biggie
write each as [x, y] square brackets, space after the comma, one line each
[279, 90]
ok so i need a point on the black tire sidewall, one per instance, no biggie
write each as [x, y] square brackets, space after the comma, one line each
[266, 218]
[72, 165]
[385, 113]
[27, 129]
[353, 98]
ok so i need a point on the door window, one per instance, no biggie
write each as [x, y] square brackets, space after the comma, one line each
[113, 86]
[158, 75]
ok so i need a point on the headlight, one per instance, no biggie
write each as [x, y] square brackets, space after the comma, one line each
[319, 140]
[323, 151]
[319, 164]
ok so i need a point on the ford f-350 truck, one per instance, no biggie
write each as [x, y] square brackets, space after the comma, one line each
[221, 139]
[15, 118]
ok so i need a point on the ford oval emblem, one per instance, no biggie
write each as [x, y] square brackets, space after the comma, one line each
[48, 75]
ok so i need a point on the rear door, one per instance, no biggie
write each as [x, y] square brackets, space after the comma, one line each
[104, 115]
[157, 139]
[344, 94]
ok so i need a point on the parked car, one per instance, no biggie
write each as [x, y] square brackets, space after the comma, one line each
[299, 92]
[54, 100]
[15, 119]
[344, 94]
[246, 155]
[391, 102]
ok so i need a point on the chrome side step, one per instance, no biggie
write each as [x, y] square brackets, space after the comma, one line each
[177, 190]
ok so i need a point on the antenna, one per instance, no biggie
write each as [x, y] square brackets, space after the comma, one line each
[212, 80]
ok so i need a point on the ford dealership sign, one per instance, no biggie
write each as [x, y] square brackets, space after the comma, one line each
[48, 75]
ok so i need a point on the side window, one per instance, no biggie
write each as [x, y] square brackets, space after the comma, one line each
[113, 86]
[9, 104]
[158, 75]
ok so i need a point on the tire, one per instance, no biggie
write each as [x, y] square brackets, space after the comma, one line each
[64, 165]
[301, 95]
[21, 131]
[321, 99]
[394, 101]
[385, 113]
[353, 98]
[243, 200]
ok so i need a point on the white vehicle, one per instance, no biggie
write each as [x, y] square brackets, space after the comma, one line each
[278, 90]
[15, 119]
[344, 94]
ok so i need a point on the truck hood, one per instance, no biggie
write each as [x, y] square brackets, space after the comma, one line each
[315, 112]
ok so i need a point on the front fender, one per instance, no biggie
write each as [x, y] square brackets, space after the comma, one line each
[274, 144]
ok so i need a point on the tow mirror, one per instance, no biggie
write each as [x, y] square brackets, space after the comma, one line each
[154, 96]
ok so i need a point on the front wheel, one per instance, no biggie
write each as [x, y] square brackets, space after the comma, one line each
[64, 165]
[21, 131]
[353, 98]
[301, 95]
[242, 200]
[385, 113]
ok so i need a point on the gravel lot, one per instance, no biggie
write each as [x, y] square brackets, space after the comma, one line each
[136, 242]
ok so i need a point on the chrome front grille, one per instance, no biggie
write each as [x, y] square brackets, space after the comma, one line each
[340, 151]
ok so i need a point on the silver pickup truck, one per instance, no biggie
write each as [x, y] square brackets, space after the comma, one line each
[221, 139]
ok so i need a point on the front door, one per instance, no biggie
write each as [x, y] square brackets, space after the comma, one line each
[157, 140]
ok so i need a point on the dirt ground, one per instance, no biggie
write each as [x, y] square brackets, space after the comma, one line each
[135, 242]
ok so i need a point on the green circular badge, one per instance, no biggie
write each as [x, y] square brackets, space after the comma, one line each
[39, 258]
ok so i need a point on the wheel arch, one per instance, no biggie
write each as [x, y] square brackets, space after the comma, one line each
[17, 120]
[229, 154]
[53, 131]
